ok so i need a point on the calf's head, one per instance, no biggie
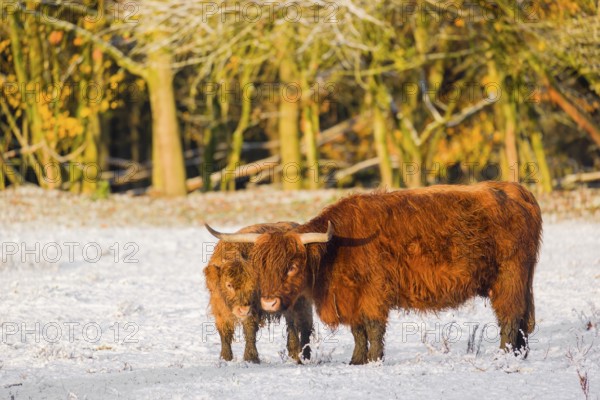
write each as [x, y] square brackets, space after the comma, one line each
[235, 282]
[281, 261]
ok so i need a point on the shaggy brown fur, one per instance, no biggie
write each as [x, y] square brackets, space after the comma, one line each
[423, 249]
[233, 288]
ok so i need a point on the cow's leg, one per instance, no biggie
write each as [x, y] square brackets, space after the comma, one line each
[250, 326]
[375, 333]
[512, 301]
[305, 325]
[299, 321]
[293, 340]
[226, 333]
[359, 356]
[305, 333]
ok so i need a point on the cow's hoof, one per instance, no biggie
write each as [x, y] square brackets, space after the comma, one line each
[252, 358]
[358, 361]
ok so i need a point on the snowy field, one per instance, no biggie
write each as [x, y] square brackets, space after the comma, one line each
[104, 312]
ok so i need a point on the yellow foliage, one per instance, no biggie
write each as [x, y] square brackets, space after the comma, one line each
[465, 144]
[85, 69]
[4, 45]
[55, 37]
[541, 45]
[84, 112]
[89, 24]
[104, 105]
[59, 126]
[97, 55]
[114, 79]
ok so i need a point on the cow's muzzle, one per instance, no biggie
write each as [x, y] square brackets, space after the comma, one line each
[270, 304]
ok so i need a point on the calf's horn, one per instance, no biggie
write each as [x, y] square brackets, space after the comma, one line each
[233, 237]
[307, 238]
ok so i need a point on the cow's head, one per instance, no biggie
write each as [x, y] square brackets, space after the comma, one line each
[235, 282]
[281, 261]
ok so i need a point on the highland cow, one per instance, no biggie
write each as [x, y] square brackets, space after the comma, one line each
[423, 249]
[234, 299]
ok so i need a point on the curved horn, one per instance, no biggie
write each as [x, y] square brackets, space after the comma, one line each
[307, 238]
[233, 237]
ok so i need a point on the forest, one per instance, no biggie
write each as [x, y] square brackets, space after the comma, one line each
[167, 97]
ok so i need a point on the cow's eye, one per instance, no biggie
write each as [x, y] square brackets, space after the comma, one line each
[229, 286]
[293, 270]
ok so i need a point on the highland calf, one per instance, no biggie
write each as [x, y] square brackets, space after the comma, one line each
[234, 299]
[422, 249]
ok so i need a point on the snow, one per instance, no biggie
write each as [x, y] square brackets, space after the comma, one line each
[132, 322]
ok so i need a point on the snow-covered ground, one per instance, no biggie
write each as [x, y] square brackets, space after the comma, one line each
[121, 312]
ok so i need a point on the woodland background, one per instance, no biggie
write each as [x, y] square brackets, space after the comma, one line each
[169, 96]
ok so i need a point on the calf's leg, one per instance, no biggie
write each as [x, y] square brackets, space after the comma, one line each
[250, 326]
[226, 334]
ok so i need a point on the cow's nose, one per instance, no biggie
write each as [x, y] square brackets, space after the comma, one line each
[241, 311]
[270, 304]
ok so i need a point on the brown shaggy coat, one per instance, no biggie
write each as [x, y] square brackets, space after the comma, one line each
[233, 288]
[422, 249]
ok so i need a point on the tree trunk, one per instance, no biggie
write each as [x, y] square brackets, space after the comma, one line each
[510, 142]
[410, 169]
[33, 118]
[506, 120]
[134, 126]
[310, 127]
[209, 144]
[84, 177]
[381, 145]
[376, 100]
[288, 127]
[51, 168]
[90, 154]
[168, 172]
[540, 155]
[580, 117]
[228, 181]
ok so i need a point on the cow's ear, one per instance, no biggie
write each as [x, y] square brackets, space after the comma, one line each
[212, 273]
[235, 256]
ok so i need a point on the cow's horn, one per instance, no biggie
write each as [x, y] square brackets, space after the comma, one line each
[234, 237]
[307, 238]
